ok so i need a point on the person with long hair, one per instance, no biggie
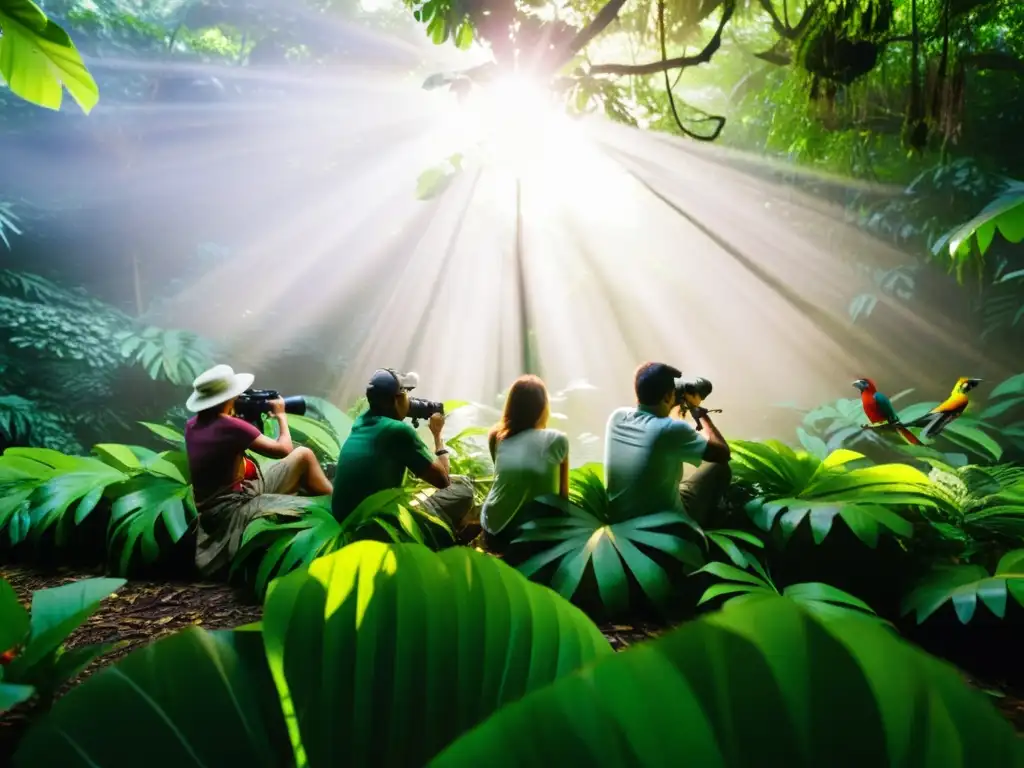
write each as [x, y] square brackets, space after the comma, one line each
[530, 460]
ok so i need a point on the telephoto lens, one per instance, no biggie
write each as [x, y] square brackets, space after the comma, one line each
[696, 387]
[422, 410]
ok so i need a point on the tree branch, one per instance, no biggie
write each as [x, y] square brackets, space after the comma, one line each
[781, 29]
[995, 60]
[604, 17]
[653, 67]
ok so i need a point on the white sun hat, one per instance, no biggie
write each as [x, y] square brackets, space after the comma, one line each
[217, 386]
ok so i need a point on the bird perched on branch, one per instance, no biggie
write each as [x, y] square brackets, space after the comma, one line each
[945, 413]
[878, 408]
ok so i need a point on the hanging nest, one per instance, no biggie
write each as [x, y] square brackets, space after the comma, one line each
[842, 43]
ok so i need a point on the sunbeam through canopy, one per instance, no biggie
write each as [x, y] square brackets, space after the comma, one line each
[572, 248]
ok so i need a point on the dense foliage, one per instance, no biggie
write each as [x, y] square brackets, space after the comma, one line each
[829, 545]
[490, 669]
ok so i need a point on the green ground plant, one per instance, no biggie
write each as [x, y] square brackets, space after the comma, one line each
[490, 669]
[35, 661]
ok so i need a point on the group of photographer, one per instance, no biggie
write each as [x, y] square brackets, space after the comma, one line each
[645, 450]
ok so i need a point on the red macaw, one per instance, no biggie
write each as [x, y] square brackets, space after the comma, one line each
[942, 415]
[878, 408]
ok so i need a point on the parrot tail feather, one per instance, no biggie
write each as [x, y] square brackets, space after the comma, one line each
[907, 435]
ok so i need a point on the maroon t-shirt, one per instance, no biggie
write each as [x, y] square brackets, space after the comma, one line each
[215, 448]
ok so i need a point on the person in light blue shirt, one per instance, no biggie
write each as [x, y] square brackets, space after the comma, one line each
[647, 446]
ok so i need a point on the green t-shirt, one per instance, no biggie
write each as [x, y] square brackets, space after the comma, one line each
[375, 457]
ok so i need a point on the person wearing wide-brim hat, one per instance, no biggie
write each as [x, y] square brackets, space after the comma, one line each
[229, 488]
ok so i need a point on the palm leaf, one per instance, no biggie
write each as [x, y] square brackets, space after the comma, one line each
[755, 685]
[375, 655]
[581, 539]
[966, 585]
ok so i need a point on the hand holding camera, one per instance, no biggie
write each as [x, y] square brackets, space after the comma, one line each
[253, 403]
[690, 393]
[436, 423]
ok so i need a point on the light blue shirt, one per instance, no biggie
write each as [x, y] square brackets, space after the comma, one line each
[643, 461]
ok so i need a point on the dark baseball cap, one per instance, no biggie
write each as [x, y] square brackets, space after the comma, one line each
[386, 381]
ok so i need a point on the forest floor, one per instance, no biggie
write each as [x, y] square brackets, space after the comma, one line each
[142, 611]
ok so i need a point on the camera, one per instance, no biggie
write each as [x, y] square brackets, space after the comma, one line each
[697, 387]
[253, 403]
[690, 393]
[422, 410]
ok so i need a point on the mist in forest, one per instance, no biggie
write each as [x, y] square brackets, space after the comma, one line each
[274, 211]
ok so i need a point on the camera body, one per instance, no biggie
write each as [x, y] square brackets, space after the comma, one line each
[422, 410]
[253, 403]
[696, 388]
[690, 393]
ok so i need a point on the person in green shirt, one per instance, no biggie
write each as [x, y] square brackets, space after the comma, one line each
[382, 447]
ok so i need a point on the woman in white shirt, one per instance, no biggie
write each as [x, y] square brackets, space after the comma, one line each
[529, 460]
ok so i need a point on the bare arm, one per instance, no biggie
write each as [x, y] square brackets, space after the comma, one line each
[563, 479]
[275, 449]
[437, 474]
[717, 449]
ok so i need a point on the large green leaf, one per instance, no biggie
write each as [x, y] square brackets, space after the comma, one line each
[14, 619]
[316, 435]
[164, 432]
[966, 585]
[579, 539]
[389, 652]
[12, 695]
[1005, 214]
[339, 422]
[285, 545]
[823, 600]
[136, 514]
[866, 520]
[377, 655]
[799, 487]
[56, 613]
[37, 57]
[752, 685]
[81, 489]
[195, 698]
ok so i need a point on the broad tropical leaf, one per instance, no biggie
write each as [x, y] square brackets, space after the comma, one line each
[340, 423]
[583, 535]
[824, 601]
[1004, 214]
[754, 685]
[283, 546]
[316, 435]
[378, 655]
[965, 585]
[37, 58]
[798, 487]
[41, 660]
[168, 433]
[135, 515]
[170, 690]
[14, 619]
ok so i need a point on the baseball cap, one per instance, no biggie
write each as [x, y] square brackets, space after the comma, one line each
[386, 381]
